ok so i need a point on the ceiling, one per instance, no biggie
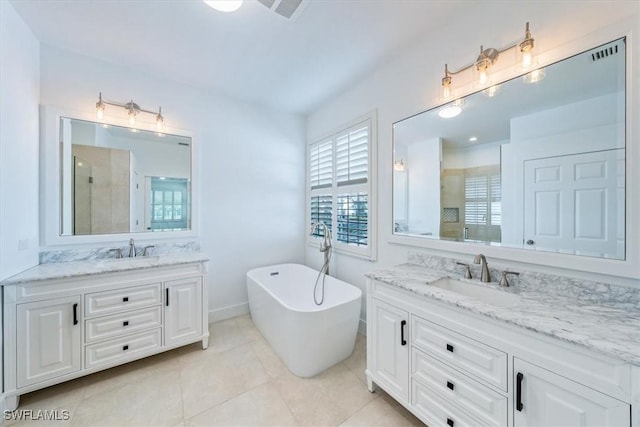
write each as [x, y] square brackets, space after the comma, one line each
[253, 54]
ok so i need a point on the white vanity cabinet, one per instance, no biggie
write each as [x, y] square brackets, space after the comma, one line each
[183, 318]
[63, 328]
[48, 339]
[388, 325]
[459, 368]
[544, 398]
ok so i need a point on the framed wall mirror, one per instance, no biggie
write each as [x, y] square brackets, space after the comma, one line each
[104, 180]
[536, 162]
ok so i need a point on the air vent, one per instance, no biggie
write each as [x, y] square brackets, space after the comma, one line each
[289, 9]
[603, 53]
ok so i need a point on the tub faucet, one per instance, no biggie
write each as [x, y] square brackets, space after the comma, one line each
[325, 246]
[485, 276]
[132, 248]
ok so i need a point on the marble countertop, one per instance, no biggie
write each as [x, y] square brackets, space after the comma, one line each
[608, 326]
[62, 270]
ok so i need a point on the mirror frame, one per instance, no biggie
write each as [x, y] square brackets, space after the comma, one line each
[629, 268]
[51, 182]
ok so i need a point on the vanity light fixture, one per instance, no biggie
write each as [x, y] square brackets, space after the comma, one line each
[486, 59]
[132, 108]
[224, 5]
[398, 165]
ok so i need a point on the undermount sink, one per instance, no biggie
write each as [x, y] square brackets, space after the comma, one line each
[479, 292]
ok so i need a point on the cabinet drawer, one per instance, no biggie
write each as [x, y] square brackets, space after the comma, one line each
[122, 323]
[107, 302]
[479, 360]
[111, 351]
[483, 403]
[437, 412]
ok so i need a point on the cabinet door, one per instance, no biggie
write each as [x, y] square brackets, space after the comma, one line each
[543, 398]
[183, 310]
[390, 358]
[48, 339]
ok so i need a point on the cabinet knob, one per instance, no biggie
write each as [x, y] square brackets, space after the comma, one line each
[125, 348]
[125, 299]
[450, 385]
[125, 323]
[450, 348]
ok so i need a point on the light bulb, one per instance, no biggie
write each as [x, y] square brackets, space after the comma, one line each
[159, 125]
[526, 59]
[132, 119]
[446, 91]
[483, 78]
[100, 113]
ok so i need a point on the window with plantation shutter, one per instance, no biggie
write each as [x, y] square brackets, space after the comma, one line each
[483, 204]
[321, 165]
[352, 156]
[340, 187]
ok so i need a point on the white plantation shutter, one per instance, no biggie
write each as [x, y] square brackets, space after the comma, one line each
[352, 156]
[321, 210]
[496, 199]
[475, 194]
[340, 187]
[321, 165]
[483, 196]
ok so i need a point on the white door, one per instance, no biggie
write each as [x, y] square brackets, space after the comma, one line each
[543, 398]
[575, 203]
[183, 310]
[48, 339]
[390, 362]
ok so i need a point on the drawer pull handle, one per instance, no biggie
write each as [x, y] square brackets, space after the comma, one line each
[402, 325]
[125, 323]
[75, 313]
[166, 291]
[450, 385]
[450, 422]
[450, 348]
[519, 378]
[125, 348]
[125, 299]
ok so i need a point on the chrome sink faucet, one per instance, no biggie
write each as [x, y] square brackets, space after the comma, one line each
[485, 276]
[132, 248]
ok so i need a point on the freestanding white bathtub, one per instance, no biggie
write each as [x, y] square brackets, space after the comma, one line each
[308, 338]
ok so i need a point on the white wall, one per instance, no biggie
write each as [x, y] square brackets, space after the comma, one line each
[250, 162]
[19, 85]
[409, 83]
[424, 203]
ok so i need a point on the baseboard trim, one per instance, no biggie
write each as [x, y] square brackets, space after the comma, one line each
[228, 312]
[362, 327]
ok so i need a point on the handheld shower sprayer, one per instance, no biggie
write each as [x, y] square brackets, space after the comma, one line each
[325, 248]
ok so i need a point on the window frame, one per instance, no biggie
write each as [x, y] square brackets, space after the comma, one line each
[335, 191]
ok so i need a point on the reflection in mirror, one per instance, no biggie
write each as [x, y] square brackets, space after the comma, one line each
[531, 163]
[122, 180]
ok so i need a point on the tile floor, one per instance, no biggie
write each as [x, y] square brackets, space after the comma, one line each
[237, 381]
